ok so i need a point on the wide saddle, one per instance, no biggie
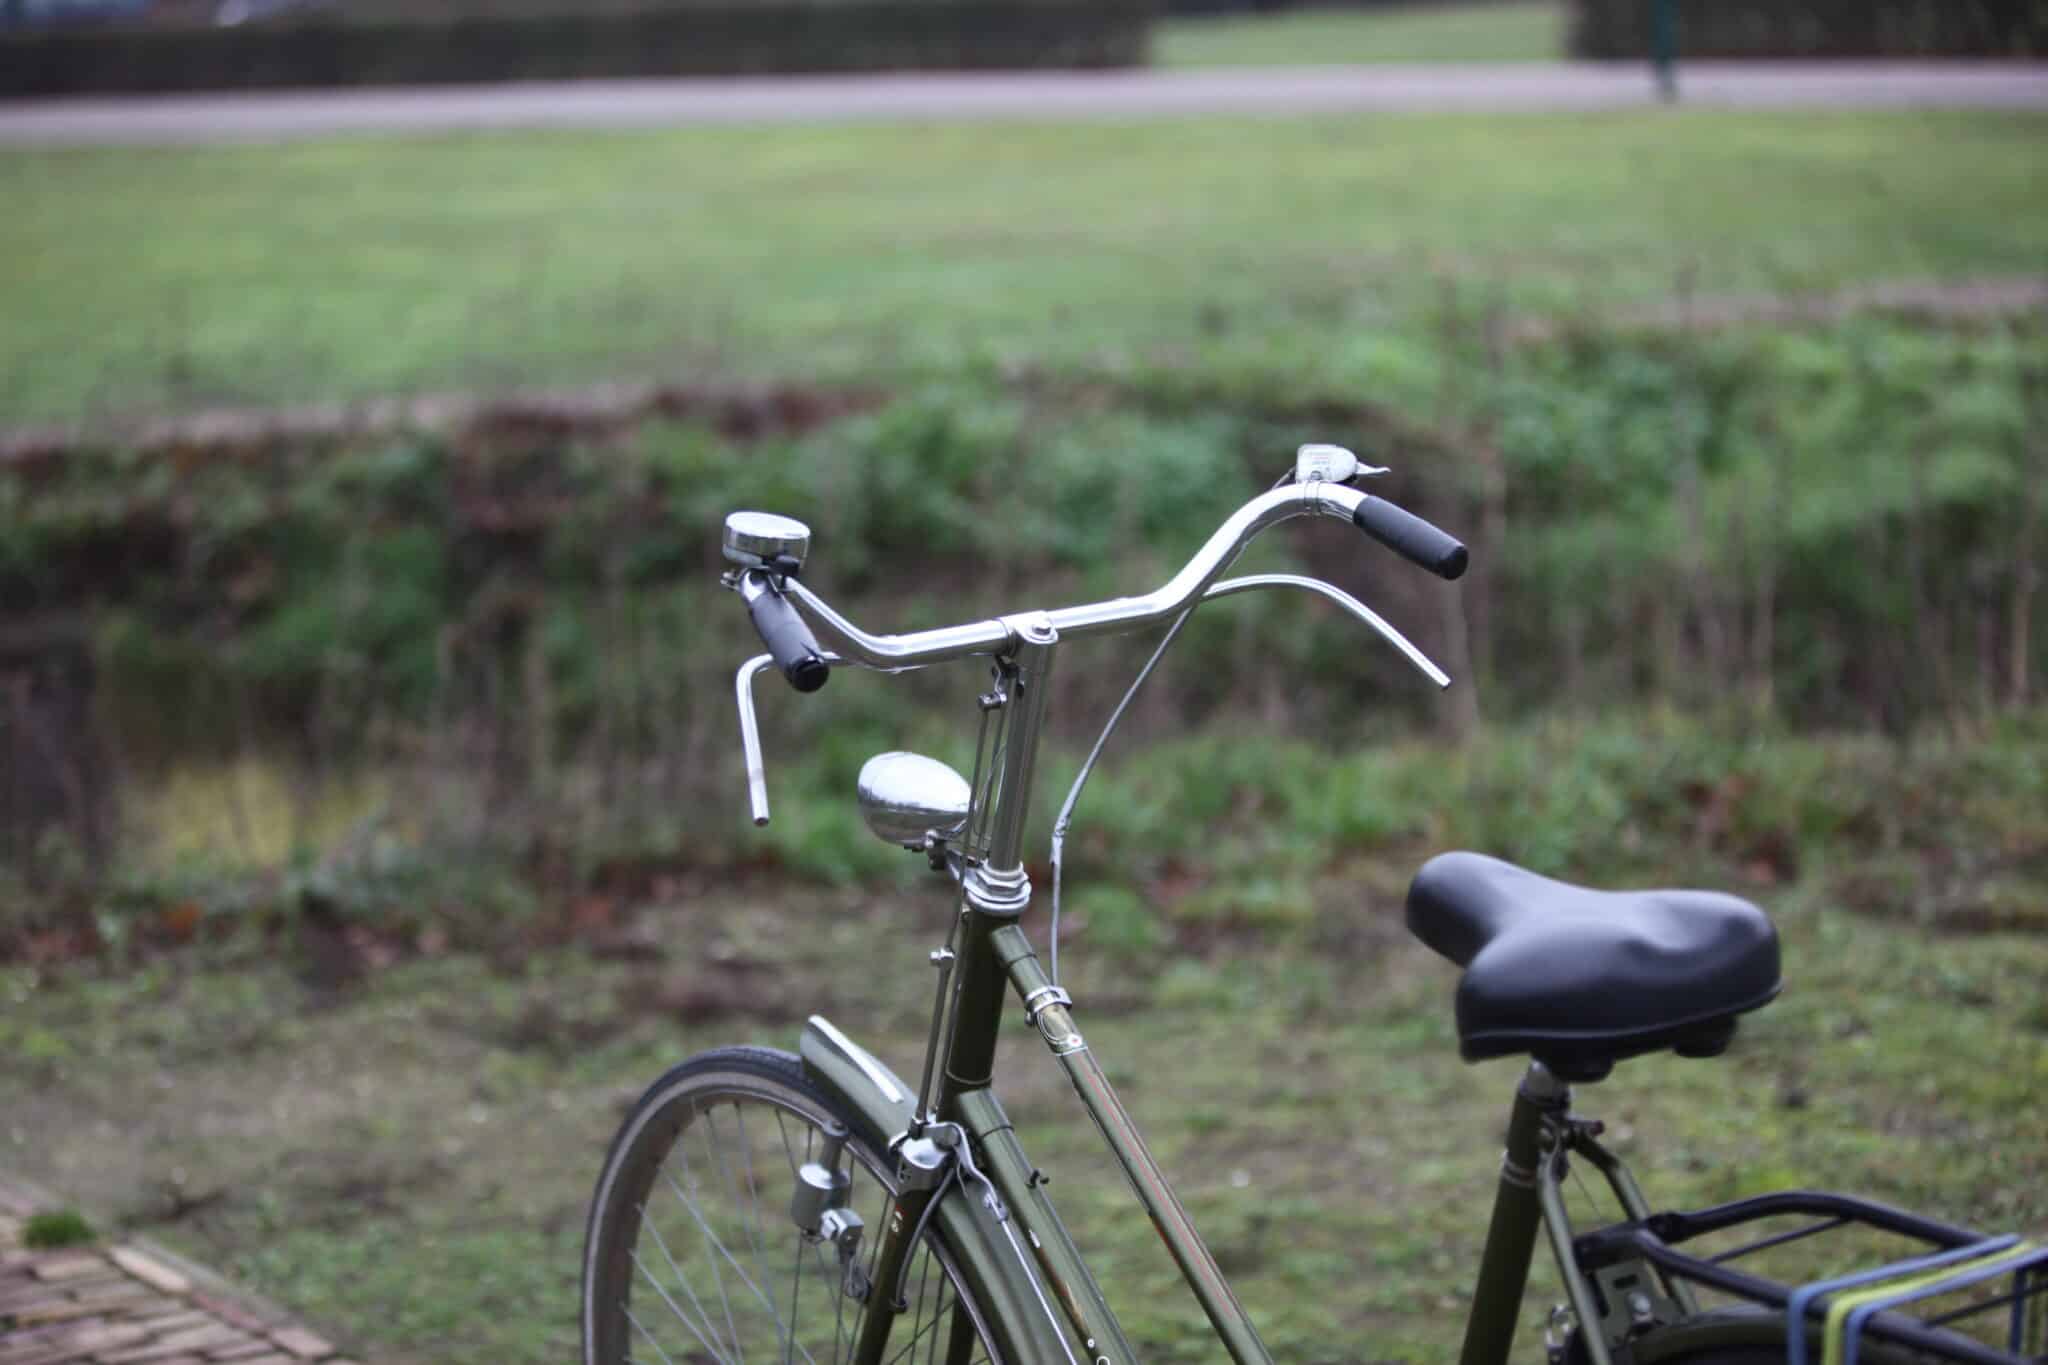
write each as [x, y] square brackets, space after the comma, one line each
[1581, 979]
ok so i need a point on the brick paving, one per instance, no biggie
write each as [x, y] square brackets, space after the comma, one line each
[130, 1305]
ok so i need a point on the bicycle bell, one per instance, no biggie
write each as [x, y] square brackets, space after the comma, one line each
[1331, 464]
[763, 540]
[907, 797]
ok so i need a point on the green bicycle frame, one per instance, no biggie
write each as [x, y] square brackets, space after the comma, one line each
[1025, 1291]
[1011, 1251]
[1023, 1266]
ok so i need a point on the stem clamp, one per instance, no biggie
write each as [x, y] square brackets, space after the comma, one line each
[1042, 997]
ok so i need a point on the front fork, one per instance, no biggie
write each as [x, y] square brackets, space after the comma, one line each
[922, 1170]
[1542, 1135]
[819, 1210]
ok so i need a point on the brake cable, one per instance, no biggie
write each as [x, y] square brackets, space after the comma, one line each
[1064, 821]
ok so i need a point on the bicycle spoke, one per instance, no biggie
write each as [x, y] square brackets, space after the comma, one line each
[943, 1312]
[682, 1280]
[910, 1346]
[758, 1233]
[725, 1220]
[838, 1322]
[719, 1248]
[924, 1282]
[676, 1309]
[796, 1284]
[717, 1278]
[650, 1340]
[917, 1310]
[788, 1147]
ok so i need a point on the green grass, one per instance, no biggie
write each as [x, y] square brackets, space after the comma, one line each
[411, 1153]
[409, 1160]
[1501, 31]
[1280, 252]
[57, 1228]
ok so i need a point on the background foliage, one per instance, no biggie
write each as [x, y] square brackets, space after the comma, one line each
[697, 40]
[2013, 29]
[1827, 530]
[371, 822]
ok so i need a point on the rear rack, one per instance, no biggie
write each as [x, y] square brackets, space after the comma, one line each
[1866, 1303]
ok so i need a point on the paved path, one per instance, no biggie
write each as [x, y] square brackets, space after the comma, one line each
[1033, 95]
[127, 1305]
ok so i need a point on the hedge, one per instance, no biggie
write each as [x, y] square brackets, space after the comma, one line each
[725, 39]
[1610, 29]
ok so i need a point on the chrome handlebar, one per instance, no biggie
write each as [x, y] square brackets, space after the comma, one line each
[893, 653]
[849, 644]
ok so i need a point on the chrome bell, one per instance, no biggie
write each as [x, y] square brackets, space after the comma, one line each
[1330, 464]
[763, 540]
[904, 797]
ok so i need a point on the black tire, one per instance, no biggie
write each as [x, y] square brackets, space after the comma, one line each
[1702, 1355]
[724, 1284]
[1575, 1354]
[1759, 1340]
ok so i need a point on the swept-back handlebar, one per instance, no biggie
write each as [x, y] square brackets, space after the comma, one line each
[920, 649]
[769, 587]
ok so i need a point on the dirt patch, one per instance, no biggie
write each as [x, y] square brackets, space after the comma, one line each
[517, 420]
[750, 412]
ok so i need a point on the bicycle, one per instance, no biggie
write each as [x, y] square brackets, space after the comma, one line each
[746, 1179]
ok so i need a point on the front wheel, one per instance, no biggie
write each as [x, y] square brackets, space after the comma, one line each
[692, 1253]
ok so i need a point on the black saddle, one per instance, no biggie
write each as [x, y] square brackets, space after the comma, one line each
[1581, 979]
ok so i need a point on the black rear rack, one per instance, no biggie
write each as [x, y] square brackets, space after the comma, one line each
[1655, 1238]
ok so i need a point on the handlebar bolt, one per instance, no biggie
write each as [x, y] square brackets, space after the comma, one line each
[993, 700]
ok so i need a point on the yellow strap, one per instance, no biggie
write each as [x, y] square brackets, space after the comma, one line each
[1834, 1336]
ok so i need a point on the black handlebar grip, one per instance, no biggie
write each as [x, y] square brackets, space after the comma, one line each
[790, 641]
[1411, 537]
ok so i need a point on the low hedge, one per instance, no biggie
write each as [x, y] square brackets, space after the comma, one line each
[1613, 29]
[726, 39]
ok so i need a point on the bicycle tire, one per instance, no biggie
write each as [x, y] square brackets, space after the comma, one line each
[1728, 1355]
[703, 1271]
[1759, 1339]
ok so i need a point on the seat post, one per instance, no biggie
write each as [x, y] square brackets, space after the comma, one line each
[1517, 1212]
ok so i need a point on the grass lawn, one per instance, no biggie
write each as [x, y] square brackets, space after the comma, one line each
[403, 1152]
[1289, 249]
[407, 1161]
[1503, 31]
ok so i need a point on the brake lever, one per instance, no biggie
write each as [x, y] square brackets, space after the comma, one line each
[750, 735]
[750, 729]
[1253, 582]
